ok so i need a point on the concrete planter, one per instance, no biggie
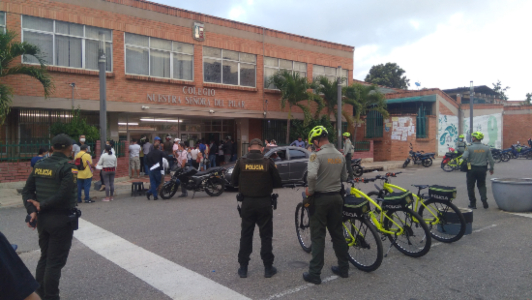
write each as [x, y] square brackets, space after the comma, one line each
[513, 194]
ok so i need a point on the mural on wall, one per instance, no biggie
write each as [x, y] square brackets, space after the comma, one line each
[447, 133]
[490, 125]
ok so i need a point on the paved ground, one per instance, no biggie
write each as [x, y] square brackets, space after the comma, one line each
[202, 235]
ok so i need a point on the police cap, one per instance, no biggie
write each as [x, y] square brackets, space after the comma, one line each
[61, 141]
[256, 142]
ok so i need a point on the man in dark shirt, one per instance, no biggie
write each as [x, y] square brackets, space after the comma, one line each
[228, 150]
[155, 164]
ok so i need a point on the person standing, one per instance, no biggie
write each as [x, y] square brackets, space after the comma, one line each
[146, 149]
[108, 164]
[134, 159]
[213, 150]
[348, 151]
[107, 143]
[76, 148]
[326, 172]
[49, 196]
[256, 177]
[182, 160]
[298, 143]
[228, 151]
[155, 165]
[478, 156]
[168, 145]
[41, 155]
[84, 178]
[461, 144]
[194, 156]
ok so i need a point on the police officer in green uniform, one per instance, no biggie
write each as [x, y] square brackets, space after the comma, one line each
[256, 176]
[348, 151]
[461, 144]
[326, 172]
[49, 197]
[478, 156]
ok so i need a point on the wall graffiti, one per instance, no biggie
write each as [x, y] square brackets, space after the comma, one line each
[490, 125]
[447, 133]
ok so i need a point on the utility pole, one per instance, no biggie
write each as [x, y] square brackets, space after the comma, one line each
[103, 94]
[471, 97]
[339, 105]
[73, 85]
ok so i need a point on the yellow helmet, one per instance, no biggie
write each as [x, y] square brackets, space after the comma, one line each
[478, 135]
[347, 134]
[316, 132]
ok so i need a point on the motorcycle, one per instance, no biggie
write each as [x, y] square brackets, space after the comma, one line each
[419, 157]
[506, 154]
[211, 181]
[521, 151]
[357, 168]
[496, 154]
[452, 160]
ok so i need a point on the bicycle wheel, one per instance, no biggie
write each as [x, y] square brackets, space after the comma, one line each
[415, 240]
[447, 168]
[445, 221]
[303, 227]
[365, 246]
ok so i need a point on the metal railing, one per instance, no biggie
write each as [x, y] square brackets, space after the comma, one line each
[374, 125]
[14, 151]
[362, 146]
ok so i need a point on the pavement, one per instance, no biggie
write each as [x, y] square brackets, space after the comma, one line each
[184, 248]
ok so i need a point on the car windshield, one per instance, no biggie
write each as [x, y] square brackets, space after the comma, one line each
[278, 155]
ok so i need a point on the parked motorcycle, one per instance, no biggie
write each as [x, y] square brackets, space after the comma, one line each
[419, 157]
[506, 155]
[496, 154]
[452, 160]
[520, 151]
[357, 168]
[211, 181]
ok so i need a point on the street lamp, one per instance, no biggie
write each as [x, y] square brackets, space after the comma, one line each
[471, 97]
[103, 87]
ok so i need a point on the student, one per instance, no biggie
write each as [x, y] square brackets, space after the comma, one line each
[108, 164]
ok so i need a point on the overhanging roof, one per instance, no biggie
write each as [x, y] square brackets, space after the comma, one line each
[429, 98]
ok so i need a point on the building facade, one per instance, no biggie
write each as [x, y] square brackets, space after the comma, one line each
[169, 71]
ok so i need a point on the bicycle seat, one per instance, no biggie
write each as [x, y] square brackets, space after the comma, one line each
[421, 186]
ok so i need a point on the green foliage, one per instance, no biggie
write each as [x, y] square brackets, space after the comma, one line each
[390, 75]
[300, 129]
[77, 126]
[11, 51]
[528, 99]
[497, 87]
[328, 90]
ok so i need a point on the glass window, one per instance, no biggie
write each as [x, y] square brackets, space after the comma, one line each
[274, 65]
[66, 44]
[159, 58]
[2, 19]
[297, 154]
[229, 67]
[330, 73]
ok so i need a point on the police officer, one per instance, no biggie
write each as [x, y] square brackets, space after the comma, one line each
[49, 197]
[326, 172]
[348, 150]
[478, 156]
[461, 144]
[256, 176]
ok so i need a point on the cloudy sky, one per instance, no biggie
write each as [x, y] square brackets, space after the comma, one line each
[443, 44]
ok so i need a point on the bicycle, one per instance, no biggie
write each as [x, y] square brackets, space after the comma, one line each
[365, 250]
[440, 215]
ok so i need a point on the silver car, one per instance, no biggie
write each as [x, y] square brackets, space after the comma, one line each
[291, 163]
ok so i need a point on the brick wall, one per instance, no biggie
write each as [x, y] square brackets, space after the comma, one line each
[444, 110]
[516, 127]
[255, 129]
[365, 154]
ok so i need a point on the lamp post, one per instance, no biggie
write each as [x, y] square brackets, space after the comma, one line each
[103, 94]
[471, 97]
[73, 85]
[339, 106]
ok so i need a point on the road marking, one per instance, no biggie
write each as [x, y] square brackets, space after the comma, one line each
[526, 215]
[484, 228]
[168, 277]
[300, 288]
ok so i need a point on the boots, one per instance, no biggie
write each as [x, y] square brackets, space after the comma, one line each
[270, 271]
[243, 271]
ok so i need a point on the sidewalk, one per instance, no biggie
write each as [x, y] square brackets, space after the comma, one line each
[393, 165]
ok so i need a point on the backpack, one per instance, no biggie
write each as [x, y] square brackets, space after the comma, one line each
[79, 163]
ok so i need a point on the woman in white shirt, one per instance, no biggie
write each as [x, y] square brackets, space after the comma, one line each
[194, 156]
[108, 164]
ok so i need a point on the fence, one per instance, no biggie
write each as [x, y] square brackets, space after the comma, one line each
[362, 146]
[421, 122]
[13, 151]
[374, 125]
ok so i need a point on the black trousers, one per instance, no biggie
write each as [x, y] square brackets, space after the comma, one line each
[55, 240]
[478, 175]
[348, 165]
[257, 211]
[142, 164]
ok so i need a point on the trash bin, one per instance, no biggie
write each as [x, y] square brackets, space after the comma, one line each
[453, 225]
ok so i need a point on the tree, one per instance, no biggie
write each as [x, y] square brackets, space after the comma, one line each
[497, 87]
[9, 51]
[390, 75]
[294, 90]
[363, 98]
[300, 129]
[76, 127]
[329, 91]
[528, 99]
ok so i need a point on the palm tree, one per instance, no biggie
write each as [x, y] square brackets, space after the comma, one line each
[9, 51]
[294, 89]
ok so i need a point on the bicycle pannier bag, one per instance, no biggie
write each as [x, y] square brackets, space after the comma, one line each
[397, 200]
[446, 193]
[355, 206]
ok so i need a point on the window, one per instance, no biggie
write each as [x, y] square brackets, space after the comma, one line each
[297, 154]
[3, 21]
[274, 65]
[67, 44]
[330, 73]
[278, 155]
[229, 67]
[159, 58]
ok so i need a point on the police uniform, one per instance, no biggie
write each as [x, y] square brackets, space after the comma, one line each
[460, 146]
[52, 183]
[348, 147]
[478, 155]
[326, 172]
[256, 176]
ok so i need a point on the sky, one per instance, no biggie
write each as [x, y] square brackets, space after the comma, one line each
[440, 44]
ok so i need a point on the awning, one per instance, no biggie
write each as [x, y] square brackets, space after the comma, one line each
[429, 98]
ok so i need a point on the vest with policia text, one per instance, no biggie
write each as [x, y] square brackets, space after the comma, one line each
[255, 178]
[48, 174]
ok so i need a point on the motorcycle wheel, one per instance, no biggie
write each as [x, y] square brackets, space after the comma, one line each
[446, 167]
[214, 187]
[406, 163]
[529, 155]
[497, 158]
[169, 189]
[505, 157]
[357, 170]
[427, 162]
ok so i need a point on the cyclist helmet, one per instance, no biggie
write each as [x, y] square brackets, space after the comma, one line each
[478, 135]
[317, 132]
[461, 136]
[347, 134]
